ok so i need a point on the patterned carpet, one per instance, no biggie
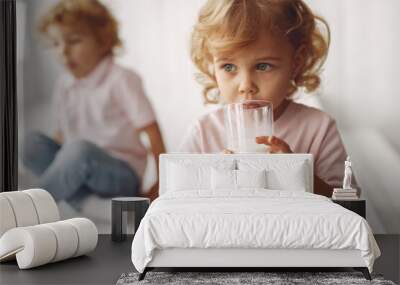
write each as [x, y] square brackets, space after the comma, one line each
[243, 278]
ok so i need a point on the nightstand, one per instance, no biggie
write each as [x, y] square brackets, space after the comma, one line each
[357, 206]
[123, 206]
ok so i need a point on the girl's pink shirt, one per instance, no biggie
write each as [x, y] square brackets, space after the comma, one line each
[106, 108]
[305, 129]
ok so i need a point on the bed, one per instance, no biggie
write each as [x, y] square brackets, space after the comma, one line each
[247, 210]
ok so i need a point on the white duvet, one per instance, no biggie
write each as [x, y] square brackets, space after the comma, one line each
[250, 219]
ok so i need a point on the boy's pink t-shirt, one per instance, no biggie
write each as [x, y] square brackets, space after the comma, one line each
[305, 129]
[107, 108]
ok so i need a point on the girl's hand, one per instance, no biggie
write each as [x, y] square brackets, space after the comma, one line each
[276, 145]
[228, 151]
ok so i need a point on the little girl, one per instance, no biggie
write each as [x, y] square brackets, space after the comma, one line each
[266, 50]
[101, 110]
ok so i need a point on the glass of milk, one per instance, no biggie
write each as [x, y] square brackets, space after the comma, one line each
[244, 122]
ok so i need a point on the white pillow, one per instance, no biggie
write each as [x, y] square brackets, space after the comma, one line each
[223, 179]
[293, 179]
[188, 177]
[237, 179]
[283, 173]
[251, 178]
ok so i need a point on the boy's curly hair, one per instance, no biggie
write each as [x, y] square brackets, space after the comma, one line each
[89, 14]
[228, 25]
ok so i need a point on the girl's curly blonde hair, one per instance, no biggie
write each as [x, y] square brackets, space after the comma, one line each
[89, 14]
[229, 25]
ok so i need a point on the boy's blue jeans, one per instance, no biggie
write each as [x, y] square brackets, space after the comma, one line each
[73, 170]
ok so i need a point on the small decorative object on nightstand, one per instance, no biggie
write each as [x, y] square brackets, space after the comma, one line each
[355, 205]
[347, 196]
[347, 192]
[121, 208]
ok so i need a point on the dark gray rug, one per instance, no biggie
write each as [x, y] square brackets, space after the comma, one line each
[269, 278]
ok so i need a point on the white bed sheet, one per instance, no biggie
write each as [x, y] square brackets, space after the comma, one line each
[251, 218]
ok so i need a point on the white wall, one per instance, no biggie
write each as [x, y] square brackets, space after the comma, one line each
[360, 82]
[361, 74]
[156, 37]
[359, 87]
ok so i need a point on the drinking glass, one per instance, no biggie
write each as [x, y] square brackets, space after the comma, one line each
[244, 122]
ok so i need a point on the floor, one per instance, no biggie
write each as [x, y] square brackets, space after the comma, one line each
[110, 260]
[389, 262]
